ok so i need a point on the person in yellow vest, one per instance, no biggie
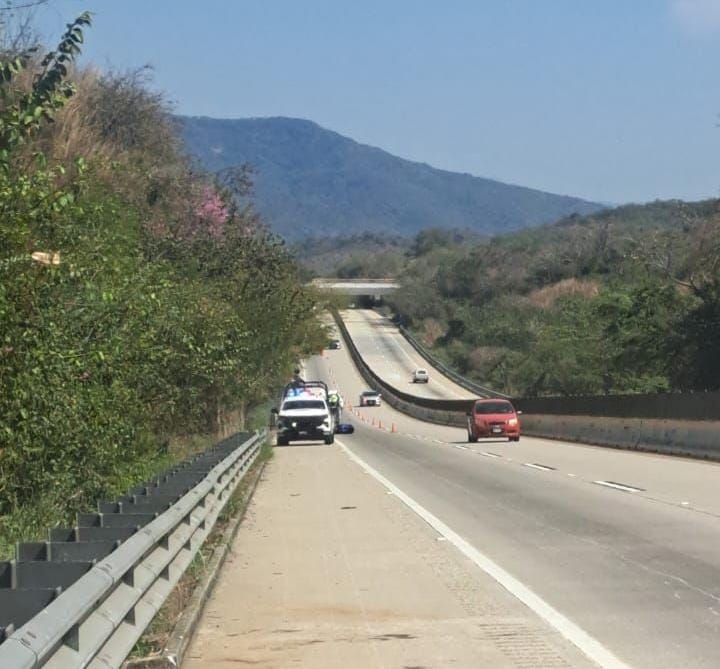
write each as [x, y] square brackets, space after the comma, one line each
[335, 402]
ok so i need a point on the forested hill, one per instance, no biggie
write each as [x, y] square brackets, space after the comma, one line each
[310, 182]
[626, 300]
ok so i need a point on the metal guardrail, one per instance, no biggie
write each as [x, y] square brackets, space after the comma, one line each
[482, 391]
[84, 598]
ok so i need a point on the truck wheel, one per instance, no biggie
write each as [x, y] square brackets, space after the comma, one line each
[282, 441]
[329, 438]
[471, 438]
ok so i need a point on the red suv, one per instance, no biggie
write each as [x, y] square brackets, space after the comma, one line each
[493, 418]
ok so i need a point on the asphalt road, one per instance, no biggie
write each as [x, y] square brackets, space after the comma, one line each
[626, 546]
[390, 355]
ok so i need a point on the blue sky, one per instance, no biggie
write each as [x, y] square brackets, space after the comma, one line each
[612, 100]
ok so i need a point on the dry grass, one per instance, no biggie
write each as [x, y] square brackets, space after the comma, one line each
[546, 297]
[71, 135]
[432, 331]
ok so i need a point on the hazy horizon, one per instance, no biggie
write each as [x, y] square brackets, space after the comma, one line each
[608, 102]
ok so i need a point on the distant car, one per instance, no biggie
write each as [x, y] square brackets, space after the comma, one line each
[334, 344]
[493, 418]
[370, 398]
[420, 376]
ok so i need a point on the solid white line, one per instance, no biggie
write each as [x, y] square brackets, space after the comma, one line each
[540, 467]
[618, 486]
[590, 646]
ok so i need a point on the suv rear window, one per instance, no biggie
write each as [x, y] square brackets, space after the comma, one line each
[303, 404]
[494, 407]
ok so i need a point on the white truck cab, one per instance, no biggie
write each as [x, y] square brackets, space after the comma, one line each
[304, 414]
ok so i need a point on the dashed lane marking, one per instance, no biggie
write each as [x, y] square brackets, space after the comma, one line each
[543, 468]
[619, 486]
[489, 454]
[586, 643]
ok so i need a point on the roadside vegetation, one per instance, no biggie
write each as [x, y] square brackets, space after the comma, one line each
[623, 301]
[141, 300]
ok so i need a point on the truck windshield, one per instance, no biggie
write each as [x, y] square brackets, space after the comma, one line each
[303, 404]
[494, 407]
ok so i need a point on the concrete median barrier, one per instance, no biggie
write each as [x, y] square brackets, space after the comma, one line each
[672, 435]
[698, 439]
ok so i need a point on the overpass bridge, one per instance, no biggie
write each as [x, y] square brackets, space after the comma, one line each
[363, 287]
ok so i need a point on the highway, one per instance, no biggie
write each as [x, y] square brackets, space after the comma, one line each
[390, 355]
[624, 546]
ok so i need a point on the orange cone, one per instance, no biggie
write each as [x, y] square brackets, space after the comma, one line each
[380, 424]
[393, 429]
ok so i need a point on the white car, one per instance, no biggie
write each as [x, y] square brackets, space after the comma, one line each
[420, 376]
[370, 398]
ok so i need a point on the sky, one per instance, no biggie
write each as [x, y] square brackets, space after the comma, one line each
[611, 100]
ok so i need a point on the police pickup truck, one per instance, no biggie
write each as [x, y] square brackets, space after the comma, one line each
[304, 414]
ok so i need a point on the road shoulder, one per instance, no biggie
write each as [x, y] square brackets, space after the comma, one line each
[330, 570]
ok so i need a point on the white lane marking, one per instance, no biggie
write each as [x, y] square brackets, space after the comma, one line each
[540, 467]
[464, 448]
[571, 475]
[397, 337]
[488, 454]
[394, 338]
[619, 486]
[586, 643]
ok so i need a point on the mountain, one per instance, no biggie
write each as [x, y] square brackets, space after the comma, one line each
[312, 182]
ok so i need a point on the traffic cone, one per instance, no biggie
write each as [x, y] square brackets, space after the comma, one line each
[393, 428]
[380, 424]
[373, 421]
